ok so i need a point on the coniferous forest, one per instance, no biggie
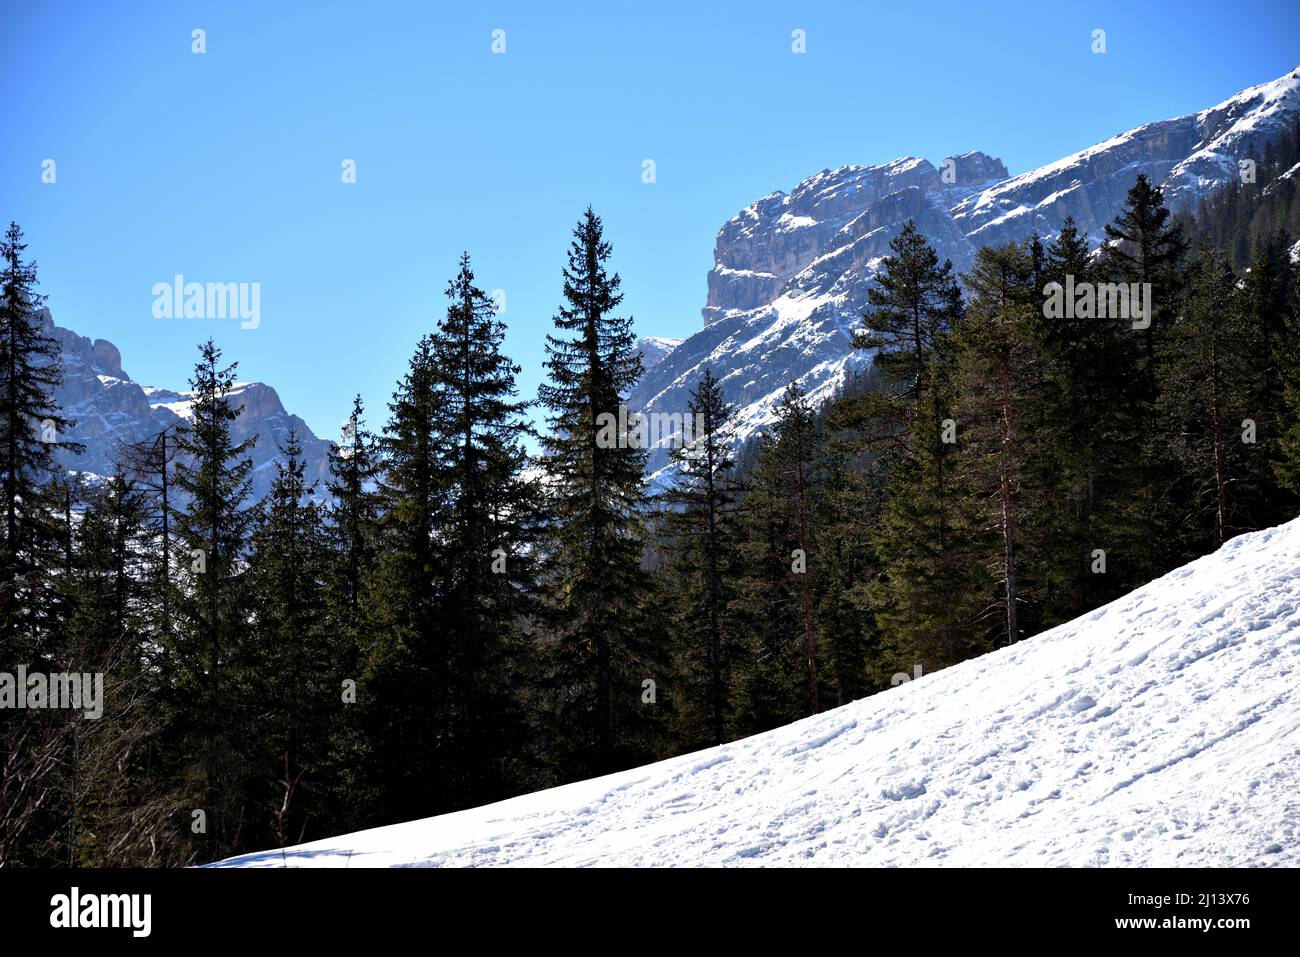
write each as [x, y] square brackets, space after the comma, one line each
[485, 598]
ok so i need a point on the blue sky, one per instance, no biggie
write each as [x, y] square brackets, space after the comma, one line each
[225, 166]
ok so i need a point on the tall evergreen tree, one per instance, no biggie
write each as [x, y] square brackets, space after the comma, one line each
[913, 302]
[1145, 245]
[931, 590]
[295, 656]
[1094, 457]
[702, 525]
[404, 695]
[352, 522]
[595, 469]
[32, 428]
[793, 454]
[1214, 371]
[770, 680]
[352, 515]
[486, 534]
[210, 648]
[1000, 376]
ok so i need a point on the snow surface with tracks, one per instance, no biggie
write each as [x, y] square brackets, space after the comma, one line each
[1160, 730]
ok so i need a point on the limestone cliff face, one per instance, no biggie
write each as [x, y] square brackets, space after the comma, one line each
[791, 270]
[110, 411]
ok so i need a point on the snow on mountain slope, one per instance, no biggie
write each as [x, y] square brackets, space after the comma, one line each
[654, 348]
[792, 270]
[110, 411]
[1160, 730]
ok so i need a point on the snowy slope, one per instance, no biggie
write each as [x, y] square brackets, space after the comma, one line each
[1163, 729]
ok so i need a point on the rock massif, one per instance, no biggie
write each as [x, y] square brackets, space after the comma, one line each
[111, 411]
[791, 271]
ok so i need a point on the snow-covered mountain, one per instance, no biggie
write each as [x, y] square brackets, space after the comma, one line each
[791, 270]
[654, 348]
[110, 410]
[1160, 730]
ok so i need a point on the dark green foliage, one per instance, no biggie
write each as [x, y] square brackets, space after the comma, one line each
[210, 653]
[600, 655]
[31, 429]
[1215, 371]
[449, 623]
[702, 528]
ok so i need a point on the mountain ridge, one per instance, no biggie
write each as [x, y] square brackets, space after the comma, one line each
[791, 270]
[110, 410]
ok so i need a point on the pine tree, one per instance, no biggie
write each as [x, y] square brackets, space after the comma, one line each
[353, 511]
[845, 510]
[770, 678]
[352, 516]
[1146, 246]
[913, 303]
[210, 649]
[794, 453]
[595, 470]
[1094, 459]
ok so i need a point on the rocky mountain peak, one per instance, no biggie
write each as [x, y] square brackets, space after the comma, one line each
[791, 270]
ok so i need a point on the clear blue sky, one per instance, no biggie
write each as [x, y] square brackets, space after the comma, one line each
[226, 166]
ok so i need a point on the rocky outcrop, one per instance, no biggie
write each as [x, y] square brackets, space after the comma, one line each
[791, 271]
[110, 411]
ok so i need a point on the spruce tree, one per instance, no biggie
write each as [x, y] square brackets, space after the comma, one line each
[702, 525]
[403, 698]
[794, 456]
[210, 648]
[1000, 375]
[770, 680]
[32, 429]
[294, 652]
[486, 535]
[595, 471]
[1095, 453]
[352, 514]
[1145, 245]
[1212, 375]
[932, 589]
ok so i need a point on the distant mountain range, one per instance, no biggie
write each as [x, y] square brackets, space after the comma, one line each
[791, 270]
[111, 410]
[790, 276]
